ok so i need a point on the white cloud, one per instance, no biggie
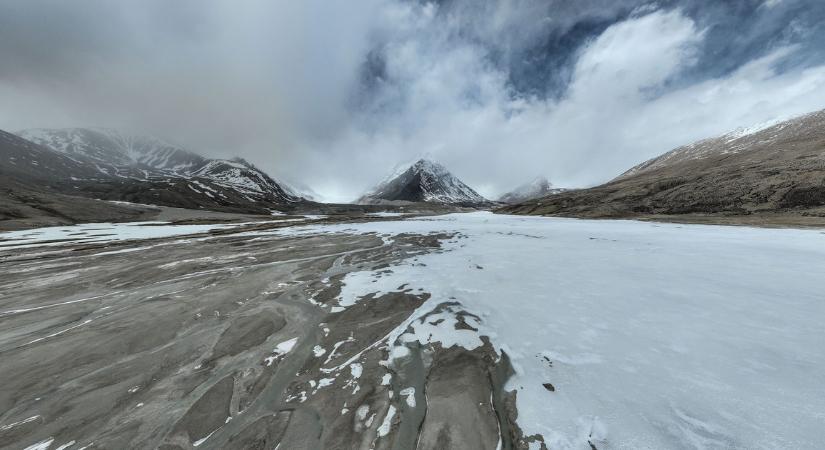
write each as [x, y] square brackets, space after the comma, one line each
[770, 3]
[615, 114]
[634, 55]
[279, 84]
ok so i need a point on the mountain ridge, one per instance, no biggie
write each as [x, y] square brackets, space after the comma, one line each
[774, 175]
[147, 159]
[737, 141]
[88, 176]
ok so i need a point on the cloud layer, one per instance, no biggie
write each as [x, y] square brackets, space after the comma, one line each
[333, 94]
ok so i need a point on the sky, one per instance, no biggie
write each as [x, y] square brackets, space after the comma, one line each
[335, 94]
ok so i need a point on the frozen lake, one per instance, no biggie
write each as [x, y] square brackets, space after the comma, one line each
[652, 335]
[622, 334]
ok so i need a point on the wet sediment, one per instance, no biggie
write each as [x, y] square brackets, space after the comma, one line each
[175, 345]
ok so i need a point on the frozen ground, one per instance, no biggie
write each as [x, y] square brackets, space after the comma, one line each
[622, 334]
[113, 232]
[99, 232]
[652, 335]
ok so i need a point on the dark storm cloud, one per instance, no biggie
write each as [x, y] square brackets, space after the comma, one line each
[334, 93]
[222, 77]
[539, 49]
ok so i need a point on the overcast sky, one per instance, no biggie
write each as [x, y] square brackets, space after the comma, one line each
[335, 93]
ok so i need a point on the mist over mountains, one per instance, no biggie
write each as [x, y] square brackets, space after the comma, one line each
[773, 174]
[412, 224]
[496, 91]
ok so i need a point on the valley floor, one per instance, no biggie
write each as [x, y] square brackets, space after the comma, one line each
[468, 331]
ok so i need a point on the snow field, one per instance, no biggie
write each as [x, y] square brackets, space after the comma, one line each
[652, 335]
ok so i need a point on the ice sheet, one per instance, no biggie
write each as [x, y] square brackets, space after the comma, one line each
[652, 335]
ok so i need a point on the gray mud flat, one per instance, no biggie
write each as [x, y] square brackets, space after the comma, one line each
[174, 344]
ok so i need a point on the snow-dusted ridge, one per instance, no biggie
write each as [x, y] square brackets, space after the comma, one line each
[737, 141]
[423, 181]
[111, 147]
[122, 155]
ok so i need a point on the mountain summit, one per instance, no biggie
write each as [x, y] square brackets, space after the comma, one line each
[424, 181]
[539, 187]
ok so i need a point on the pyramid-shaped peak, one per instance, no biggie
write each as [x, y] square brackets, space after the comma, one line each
[427, 165]
[424, 181]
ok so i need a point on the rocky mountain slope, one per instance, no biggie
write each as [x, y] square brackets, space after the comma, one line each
[28, 197]
[111, 150]
[424, 181]
[144, 159]
[740, 140]
[60, 174]
[771, 175]
[537, 188]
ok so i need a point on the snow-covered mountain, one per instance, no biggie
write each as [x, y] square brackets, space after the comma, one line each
[537, 188]
[107, 147]
[24, 159]
[242, 176]
[424, 181]
[147, 159]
